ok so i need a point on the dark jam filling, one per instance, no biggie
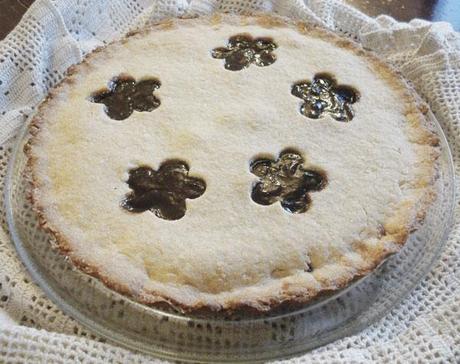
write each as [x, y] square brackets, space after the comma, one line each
[164, 191]
[124, 95]
[243, 50]
[287, 181]
[324, 96]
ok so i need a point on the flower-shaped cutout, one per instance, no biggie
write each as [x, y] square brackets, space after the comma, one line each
[164, 191]
[323, 95]
[242, 50]
[286, 180]
[124, 95]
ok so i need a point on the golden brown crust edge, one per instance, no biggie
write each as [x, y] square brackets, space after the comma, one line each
[396, 229]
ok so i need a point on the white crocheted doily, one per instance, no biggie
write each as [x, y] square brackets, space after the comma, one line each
[54, 34]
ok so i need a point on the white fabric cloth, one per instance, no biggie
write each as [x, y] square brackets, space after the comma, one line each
[55, 34]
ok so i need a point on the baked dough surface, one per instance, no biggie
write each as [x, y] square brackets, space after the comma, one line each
[228, 252]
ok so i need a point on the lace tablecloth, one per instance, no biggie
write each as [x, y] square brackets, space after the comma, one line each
[55, 34]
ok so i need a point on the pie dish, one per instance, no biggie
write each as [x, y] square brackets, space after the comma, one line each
[231, 163]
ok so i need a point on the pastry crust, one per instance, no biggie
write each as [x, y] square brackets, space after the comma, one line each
[272, 293]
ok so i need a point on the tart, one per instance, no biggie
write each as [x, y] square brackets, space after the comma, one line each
[231, 163]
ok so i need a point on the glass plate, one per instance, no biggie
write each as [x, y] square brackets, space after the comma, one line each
[174, 336]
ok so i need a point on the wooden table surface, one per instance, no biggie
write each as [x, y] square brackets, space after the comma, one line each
[447, 10]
